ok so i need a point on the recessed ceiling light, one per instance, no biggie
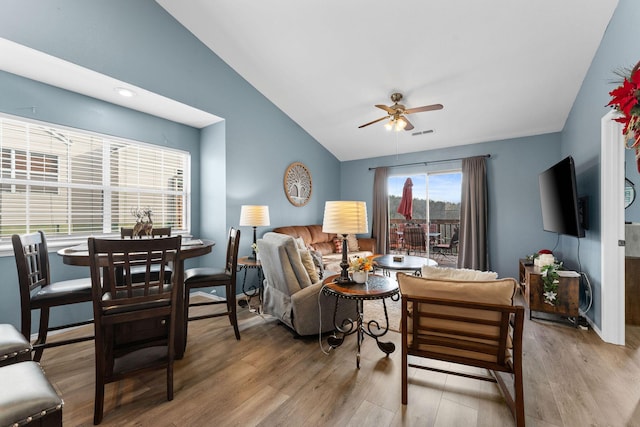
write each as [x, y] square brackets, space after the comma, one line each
[122, 91]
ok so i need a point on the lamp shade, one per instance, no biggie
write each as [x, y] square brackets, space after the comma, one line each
[345, 217]
[254, 215]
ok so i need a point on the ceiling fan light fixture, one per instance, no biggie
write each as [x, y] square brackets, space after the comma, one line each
[396, 114]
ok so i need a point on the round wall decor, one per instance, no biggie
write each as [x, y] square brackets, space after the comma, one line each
[297, 184]
[629, 192]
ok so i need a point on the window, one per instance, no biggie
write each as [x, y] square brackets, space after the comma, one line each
[43, 167]
[69, 182]
[435, 209]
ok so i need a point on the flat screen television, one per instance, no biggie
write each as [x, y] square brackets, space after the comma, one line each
[562, 211]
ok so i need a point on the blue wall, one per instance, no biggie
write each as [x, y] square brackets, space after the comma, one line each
[632, 213]
[515, 223]
[581, 136]
[239, 161]
[138, 42]
[26, 98]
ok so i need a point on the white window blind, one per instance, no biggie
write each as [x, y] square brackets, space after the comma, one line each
[69, 182]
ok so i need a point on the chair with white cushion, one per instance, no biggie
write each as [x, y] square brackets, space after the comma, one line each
[464, 322]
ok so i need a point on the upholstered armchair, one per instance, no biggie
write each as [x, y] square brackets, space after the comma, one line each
[289, 293]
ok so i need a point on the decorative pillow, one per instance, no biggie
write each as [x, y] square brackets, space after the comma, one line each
[352, 243]
[457, 273]
[325, 248]
[309, 265]
[337, 244]
[317, 261]
[300, 243]
[499, 291]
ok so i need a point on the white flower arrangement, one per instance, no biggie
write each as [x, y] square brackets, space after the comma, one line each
[550, 281]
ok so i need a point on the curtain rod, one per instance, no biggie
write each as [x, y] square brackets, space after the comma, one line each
[430, 162]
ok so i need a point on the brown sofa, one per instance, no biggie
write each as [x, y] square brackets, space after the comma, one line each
[316, 239]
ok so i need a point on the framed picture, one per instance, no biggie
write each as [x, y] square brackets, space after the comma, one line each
[297, 184]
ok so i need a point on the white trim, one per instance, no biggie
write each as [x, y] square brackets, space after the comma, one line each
[207, 295]
[612, 231]
[109, 144]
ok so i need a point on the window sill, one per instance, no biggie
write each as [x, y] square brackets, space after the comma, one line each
[54, 245]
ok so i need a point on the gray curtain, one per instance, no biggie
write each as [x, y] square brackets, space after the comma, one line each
[473, 251]
[380, 216]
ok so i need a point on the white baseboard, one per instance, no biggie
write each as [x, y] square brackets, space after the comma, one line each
[207, 295]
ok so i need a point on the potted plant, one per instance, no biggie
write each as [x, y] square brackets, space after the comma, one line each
[550, 281]
[360, 268]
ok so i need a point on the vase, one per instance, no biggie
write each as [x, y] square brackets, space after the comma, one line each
[360, 276]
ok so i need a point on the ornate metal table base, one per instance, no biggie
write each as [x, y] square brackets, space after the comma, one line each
[362, 328]
[245, 263]
[376, 288]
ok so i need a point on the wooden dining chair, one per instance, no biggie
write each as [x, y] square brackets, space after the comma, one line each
[127, 233]
[134, 321]
[38, 292]
[205, 277]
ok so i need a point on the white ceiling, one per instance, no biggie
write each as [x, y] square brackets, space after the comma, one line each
[501, 68]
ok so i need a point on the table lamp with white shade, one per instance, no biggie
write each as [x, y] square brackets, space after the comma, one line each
[345, 217]
[254, 216]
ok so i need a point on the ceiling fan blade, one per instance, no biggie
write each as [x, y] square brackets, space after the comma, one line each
[386, 108]
[424, 108]
[409, 126]
[370, 123]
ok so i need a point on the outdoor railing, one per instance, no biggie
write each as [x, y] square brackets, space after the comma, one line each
[446, 227]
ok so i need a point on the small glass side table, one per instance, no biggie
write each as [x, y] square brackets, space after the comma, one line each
[376, 287]
[244, 264]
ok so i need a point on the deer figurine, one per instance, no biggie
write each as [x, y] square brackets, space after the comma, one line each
[142, 226]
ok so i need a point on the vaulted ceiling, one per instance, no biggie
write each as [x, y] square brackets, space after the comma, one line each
[501, 68]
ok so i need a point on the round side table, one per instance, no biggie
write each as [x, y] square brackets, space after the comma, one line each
[376, 287]
[244, 264]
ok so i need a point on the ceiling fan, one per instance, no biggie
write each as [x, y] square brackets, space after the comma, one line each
[397, 113]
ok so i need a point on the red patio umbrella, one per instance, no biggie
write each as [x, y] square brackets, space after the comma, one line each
[406, 203]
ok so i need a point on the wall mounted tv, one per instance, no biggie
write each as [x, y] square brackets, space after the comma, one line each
[563, 212]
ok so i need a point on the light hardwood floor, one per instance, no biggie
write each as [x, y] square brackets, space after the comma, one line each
[271, 379]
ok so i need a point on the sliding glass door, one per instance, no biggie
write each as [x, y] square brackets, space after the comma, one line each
[424, 214]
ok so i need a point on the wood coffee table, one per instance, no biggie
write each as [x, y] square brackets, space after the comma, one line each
[376, 287]
[408, 263]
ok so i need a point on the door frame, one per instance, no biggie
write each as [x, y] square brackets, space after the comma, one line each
[612, 290]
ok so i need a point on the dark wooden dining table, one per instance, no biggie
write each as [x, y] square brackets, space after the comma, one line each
[191, 248]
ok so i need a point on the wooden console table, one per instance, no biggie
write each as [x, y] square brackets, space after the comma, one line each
[532, 287]
[632, 290]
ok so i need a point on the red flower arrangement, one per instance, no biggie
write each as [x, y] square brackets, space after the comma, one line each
[625, 99]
